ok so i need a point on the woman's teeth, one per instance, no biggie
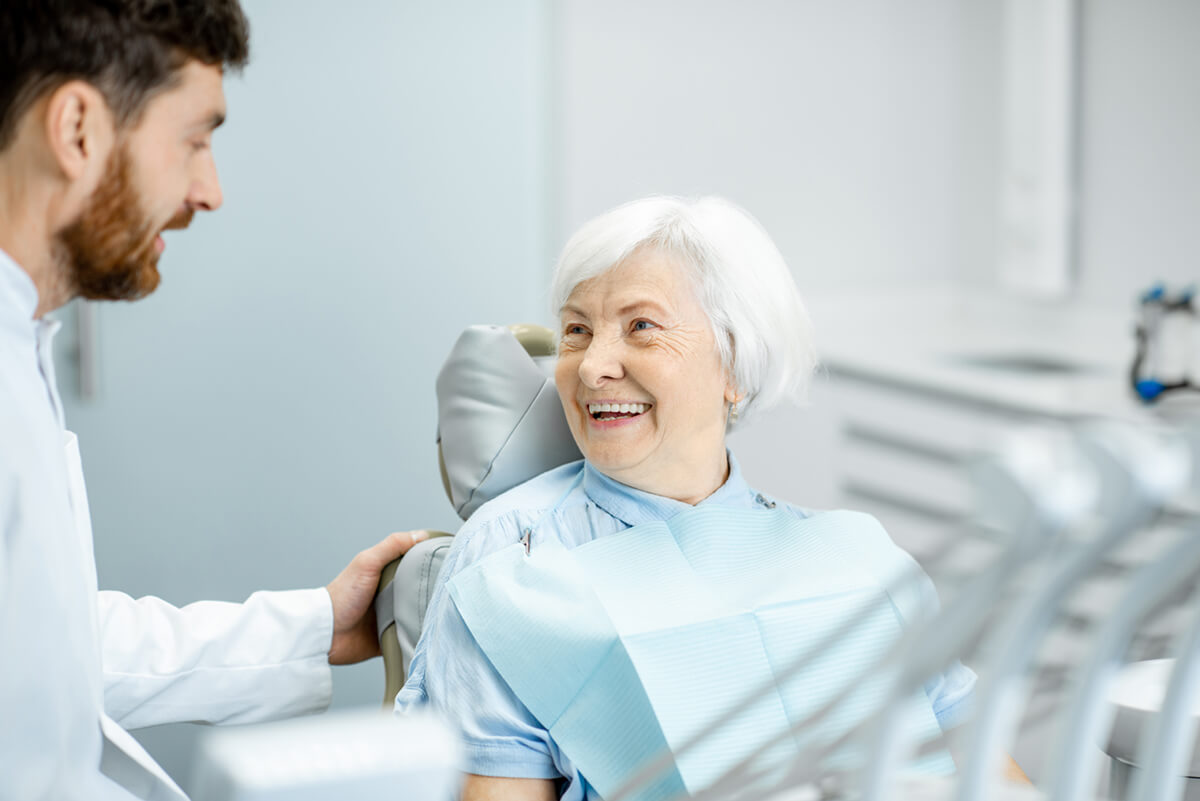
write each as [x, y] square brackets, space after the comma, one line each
[602, 411]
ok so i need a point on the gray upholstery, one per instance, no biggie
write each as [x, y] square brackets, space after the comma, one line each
[400, 606]
[499, 418]
[499, 423]
[418, 569]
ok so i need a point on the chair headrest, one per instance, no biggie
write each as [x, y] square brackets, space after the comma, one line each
[500, 422]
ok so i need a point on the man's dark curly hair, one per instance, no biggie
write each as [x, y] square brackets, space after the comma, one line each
[128, 49]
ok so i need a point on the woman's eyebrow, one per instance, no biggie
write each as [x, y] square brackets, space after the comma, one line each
[627, 309]
[639, 305]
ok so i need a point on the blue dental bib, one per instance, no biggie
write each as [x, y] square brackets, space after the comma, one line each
[626, 647]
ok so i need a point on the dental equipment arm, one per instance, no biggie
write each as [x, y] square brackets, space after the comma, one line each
[1087, 716]
[1037, 487]
[1131, 488]
[1163, 755]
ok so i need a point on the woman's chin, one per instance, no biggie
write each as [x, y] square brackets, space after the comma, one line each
[619, 465]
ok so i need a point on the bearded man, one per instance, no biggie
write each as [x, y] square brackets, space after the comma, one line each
[107, 112]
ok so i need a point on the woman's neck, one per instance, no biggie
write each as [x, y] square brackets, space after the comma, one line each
[717, 479]
[691, 484]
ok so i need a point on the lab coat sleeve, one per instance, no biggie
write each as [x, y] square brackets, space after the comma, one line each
[215, 662]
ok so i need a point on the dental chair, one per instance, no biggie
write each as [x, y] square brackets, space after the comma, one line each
[500, 423]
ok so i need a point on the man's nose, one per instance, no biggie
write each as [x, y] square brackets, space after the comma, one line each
[205, 190]
[601, 363]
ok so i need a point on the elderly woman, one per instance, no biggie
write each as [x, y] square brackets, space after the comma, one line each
[586, 619]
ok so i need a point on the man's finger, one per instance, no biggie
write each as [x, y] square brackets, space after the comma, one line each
[395, 545]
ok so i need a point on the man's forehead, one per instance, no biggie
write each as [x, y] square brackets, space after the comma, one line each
[195, 100]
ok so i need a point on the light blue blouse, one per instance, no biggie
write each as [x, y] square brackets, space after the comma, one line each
[451, 673]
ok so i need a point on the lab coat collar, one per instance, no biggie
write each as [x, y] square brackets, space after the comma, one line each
[18, 294]
[18, 304]
[634, 507]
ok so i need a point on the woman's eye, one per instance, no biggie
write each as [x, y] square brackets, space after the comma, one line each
[575, 329]
[643, 325]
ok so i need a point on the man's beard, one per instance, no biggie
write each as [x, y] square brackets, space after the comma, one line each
[109, 252]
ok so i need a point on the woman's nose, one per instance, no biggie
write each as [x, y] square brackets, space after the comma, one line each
[601, 363]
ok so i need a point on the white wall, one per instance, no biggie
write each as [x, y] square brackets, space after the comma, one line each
[1140, 148]
[863, 135]
[270, 410]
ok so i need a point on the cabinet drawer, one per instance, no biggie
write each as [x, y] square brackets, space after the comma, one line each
[937, 485]
[923, 422]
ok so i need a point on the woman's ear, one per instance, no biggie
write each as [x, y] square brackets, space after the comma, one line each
[79, 129]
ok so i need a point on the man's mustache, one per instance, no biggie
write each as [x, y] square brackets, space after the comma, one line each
[181, 220]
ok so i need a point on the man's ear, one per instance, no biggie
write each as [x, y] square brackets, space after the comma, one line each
[79, 129]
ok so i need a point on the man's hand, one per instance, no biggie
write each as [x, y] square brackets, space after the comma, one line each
[353, 593]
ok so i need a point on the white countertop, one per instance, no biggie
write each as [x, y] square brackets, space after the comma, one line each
[934, 339]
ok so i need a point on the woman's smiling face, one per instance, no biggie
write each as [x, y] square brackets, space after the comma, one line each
[641, 382]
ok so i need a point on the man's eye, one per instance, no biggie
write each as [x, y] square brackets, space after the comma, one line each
[576, 329]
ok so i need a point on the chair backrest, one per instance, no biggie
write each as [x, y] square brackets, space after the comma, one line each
[500, 423]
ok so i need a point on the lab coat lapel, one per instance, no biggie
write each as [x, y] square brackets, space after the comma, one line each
[127, 763]
[123, 759]
[82, 514]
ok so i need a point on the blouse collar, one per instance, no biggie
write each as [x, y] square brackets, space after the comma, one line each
[634, 507]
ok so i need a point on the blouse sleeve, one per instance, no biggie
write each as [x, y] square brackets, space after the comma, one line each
[950, 694]
[451, 674]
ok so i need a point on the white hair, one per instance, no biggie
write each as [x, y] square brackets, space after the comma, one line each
[763, 332]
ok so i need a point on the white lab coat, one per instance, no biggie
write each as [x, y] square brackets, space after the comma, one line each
[79, 666]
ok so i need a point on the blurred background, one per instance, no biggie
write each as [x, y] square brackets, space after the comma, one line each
[971, 196]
